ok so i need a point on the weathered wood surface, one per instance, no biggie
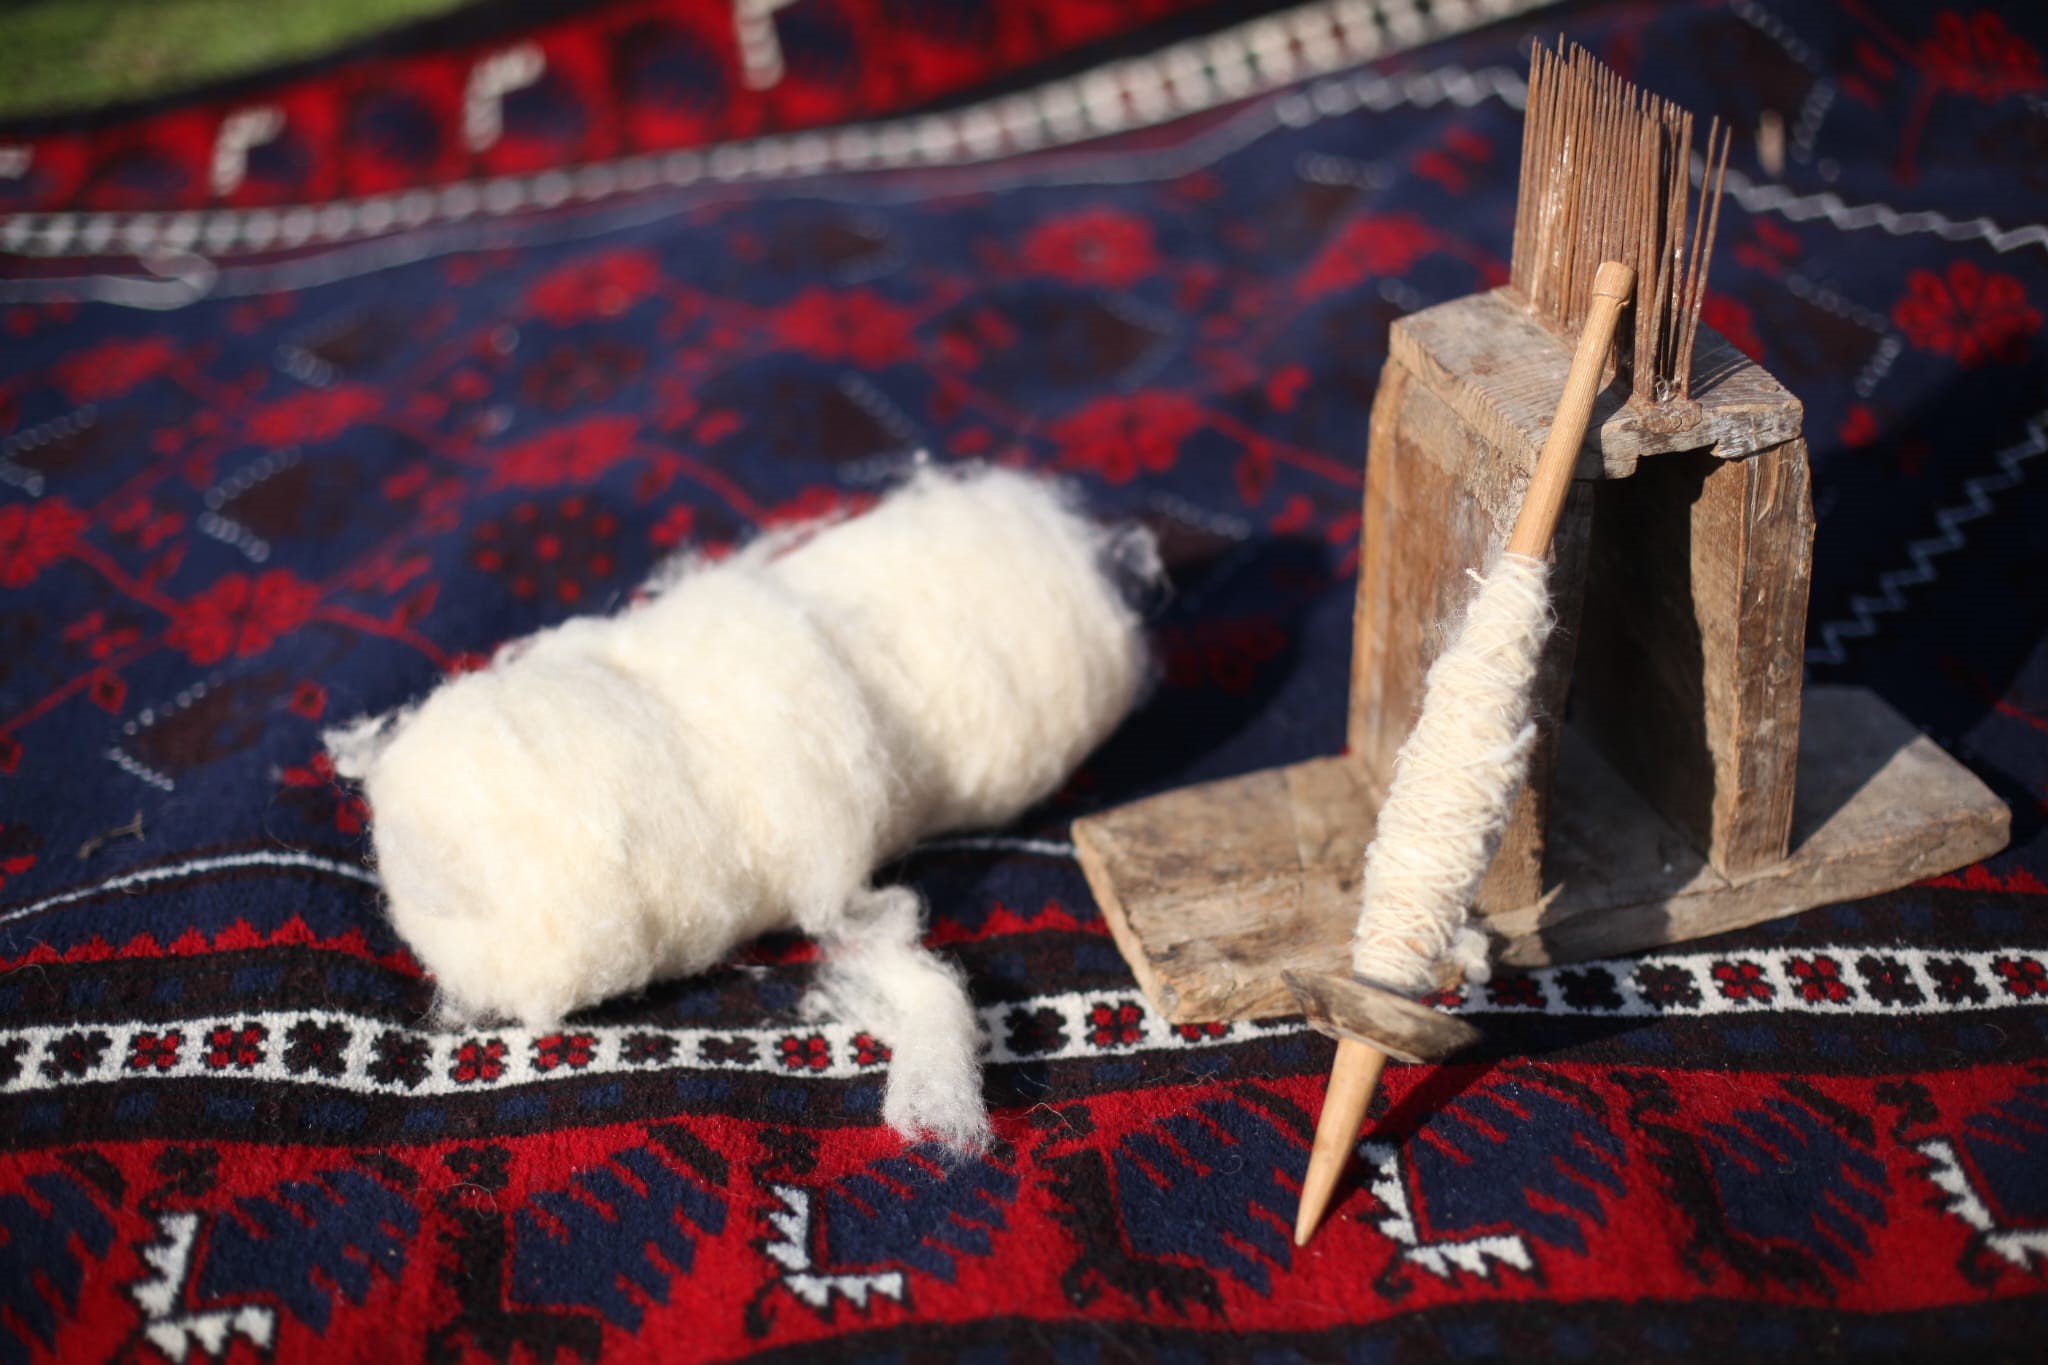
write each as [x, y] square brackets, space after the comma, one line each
[1203, 887]
[1501, 370]
[1681, 591]
[1439, 503]
[1688, 670]
[1214, 891]
[1406, 1030]
[1879, 806]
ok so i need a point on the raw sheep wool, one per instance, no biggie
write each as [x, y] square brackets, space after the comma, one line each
[623, 799]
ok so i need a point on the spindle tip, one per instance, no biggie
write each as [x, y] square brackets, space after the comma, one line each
[1354, 1075]
[1369, 1024]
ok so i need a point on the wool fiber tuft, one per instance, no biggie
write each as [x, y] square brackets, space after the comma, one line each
[1454, 785]
[623, 799]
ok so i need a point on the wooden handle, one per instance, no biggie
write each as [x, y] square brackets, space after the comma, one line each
[1552, 477]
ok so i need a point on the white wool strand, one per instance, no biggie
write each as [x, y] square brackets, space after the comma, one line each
[1454, 784]
[877, 975]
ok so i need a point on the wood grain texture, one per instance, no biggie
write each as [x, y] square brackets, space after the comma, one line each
[1439, 504]
[1203, 887]
[1688, 672]
[1501, 370]
[1213, 892]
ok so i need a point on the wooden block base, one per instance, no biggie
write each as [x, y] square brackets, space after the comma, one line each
[1212, 892]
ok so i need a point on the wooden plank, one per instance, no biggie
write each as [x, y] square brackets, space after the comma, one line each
[1689, 670]
[1200, 883]
[1439, 503]
[1208, 892]
[1501, 370]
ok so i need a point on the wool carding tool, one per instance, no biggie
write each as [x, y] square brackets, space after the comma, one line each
[1663, 811]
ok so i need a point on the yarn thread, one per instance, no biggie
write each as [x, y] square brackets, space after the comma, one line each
[1455, 780]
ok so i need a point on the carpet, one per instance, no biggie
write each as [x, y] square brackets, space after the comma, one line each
[322, 384]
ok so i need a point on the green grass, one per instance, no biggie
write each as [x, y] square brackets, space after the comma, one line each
[58, 55]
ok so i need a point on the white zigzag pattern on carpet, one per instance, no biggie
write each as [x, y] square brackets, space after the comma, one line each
[1977, 502]
[1800, 208]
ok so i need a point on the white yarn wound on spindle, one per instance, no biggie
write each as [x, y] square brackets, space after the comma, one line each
[628, 798]
[1455, 782]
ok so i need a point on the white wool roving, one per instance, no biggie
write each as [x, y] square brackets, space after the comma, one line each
[1455, 781]
[627, 798]
[977, 615]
